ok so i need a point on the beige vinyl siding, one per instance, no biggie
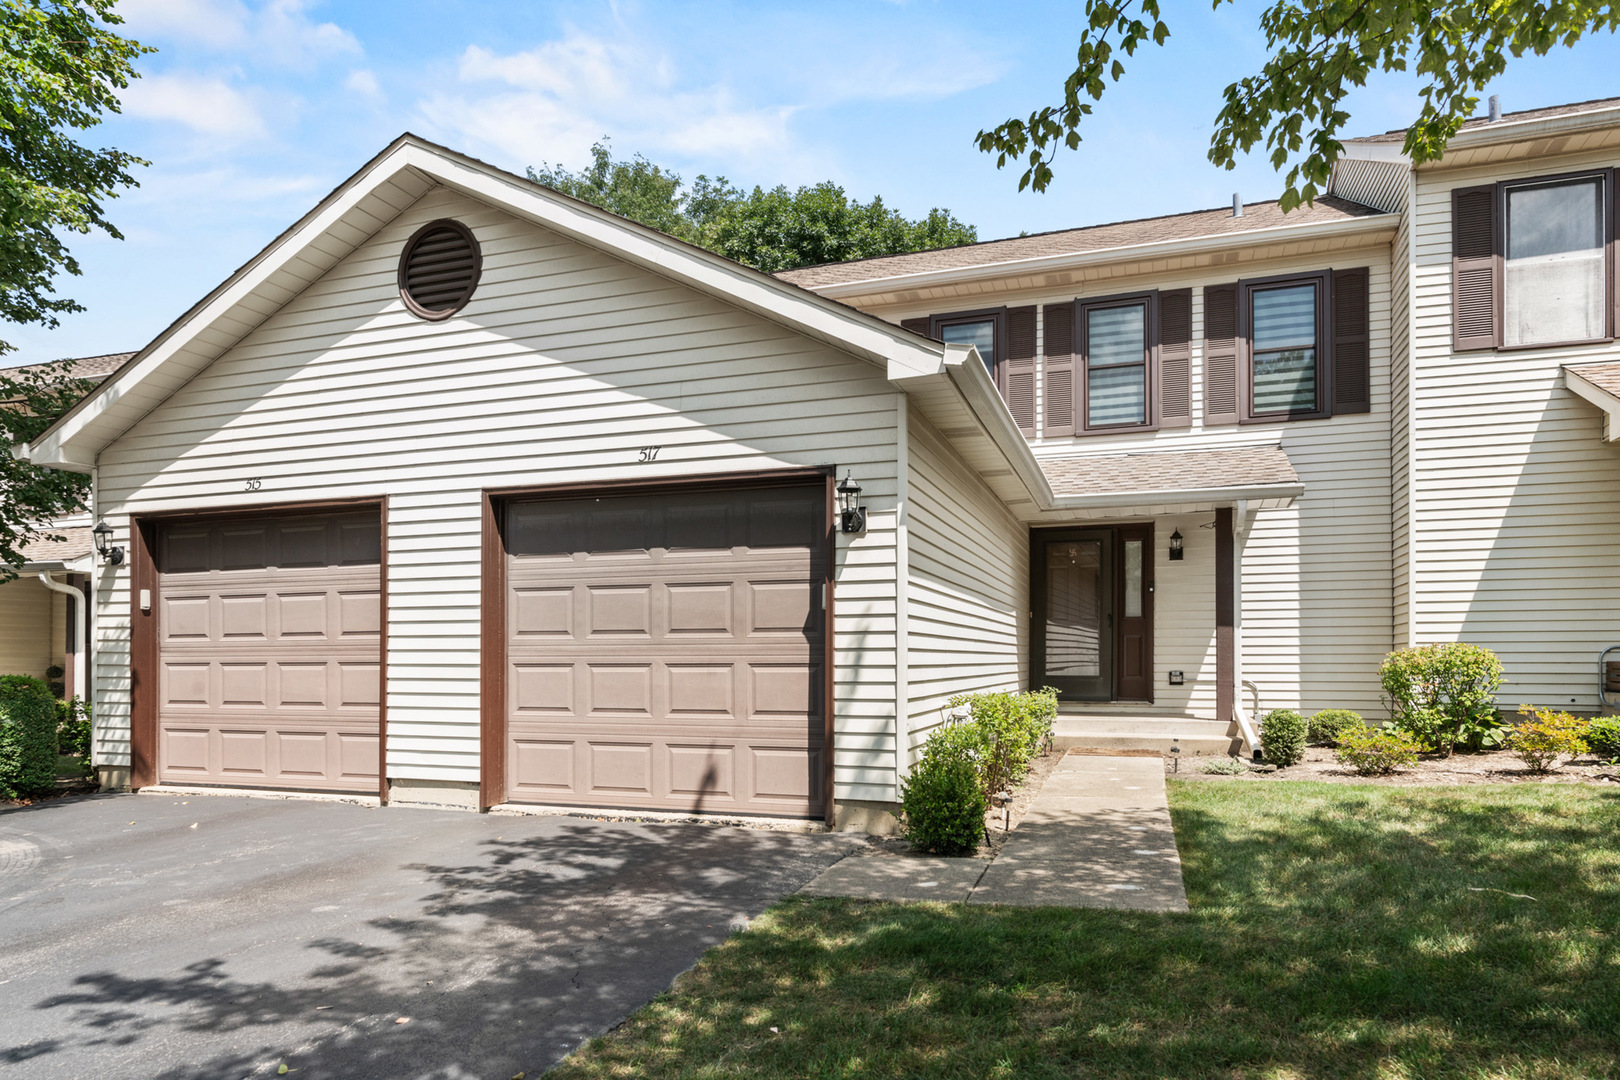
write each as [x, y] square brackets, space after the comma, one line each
[1317, 577]
[566, 363]
[1516, 497]
[27, 627]
[967, 583]
[1400, 425]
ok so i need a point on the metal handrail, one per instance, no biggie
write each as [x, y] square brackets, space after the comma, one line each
[1603, 676]
[1245, 727]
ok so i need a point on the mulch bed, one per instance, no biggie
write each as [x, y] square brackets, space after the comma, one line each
[1493, 767]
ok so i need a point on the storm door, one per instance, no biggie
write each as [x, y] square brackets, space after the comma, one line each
[1074, 617]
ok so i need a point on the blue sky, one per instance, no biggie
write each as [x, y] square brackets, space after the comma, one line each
[252, 110]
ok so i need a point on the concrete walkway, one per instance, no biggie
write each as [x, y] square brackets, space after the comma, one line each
[1097, 835]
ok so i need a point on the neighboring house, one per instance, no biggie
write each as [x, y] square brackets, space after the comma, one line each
[36, 620]
[464, 492]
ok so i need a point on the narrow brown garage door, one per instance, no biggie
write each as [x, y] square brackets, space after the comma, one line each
[665, 651]
[269, 633]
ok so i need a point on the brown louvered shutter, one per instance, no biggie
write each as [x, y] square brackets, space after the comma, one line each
[1220, 354]
[1476, 269]
[1019, 370]
[1175, 358]
[916, 326]
[1352, 334]
[1057, 370]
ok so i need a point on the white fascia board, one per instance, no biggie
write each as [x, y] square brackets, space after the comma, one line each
[972, 380]
[1599, 397]
[1505, 131]
[781, 302]
[1046, 264]
[1268, 494]
[1391, 152]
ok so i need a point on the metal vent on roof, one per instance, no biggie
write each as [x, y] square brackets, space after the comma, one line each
[439, 269]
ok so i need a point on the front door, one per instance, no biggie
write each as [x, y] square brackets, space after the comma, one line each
[1093, 616]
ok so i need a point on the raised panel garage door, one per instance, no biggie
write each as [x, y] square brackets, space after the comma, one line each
[666, 651]
[269, 652]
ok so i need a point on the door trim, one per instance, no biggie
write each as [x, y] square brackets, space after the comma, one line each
[144, 655]
[492, 611]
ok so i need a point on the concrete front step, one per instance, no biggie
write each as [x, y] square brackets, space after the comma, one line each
[1195, 736]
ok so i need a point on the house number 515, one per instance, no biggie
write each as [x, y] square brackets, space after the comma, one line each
[650, 453]
[253, 485]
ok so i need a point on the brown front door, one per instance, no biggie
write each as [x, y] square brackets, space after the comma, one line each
[665, 651]
[1093, 612]
[270, 633]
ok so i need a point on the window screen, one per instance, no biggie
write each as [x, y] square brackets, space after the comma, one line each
[1284, 363]
[1116, 365]
[1555, 263]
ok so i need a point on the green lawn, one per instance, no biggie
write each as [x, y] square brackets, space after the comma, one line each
[1335, 931]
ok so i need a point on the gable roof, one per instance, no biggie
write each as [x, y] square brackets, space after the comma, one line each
[365, 202]
[85, 367]
[1197, 224]
[1478, 122]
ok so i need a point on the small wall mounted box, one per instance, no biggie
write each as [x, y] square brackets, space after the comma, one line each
[1176, 678]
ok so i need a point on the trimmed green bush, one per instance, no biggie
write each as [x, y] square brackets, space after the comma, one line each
[942, 803]
[1377, 753]
[1445, 694]
[27, 737]
[1547, 736]
[73, 729]
[1603, 736]
[1330, 725]
[1282, 737]
[1012, 731]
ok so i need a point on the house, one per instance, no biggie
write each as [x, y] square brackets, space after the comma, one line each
[38, 614]
[462, 492]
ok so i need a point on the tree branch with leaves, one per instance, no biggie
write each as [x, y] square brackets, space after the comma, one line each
[1320, 52]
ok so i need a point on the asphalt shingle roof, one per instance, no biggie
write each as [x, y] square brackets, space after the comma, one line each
[1179, 470]
[1399, 136]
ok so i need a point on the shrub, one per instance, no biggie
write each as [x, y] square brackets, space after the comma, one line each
[1378, 753]
[942, 803]
[1282, 737]
[1013, 729]
[27, 737]
[1444, 694]
[1224, 766]
[1330, 725]
[1547, 736]
[1603, 736]
[73, 729]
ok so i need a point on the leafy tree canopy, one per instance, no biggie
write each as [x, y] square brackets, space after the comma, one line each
[1320, 50]
[770, 230]
[61, 67]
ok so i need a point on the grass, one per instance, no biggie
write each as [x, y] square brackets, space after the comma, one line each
[1335, 931]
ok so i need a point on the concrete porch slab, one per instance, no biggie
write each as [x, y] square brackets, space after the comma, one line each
[878, 877]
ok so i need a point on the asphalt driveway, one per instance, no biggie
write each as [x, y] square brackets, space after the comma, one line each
[219, 937]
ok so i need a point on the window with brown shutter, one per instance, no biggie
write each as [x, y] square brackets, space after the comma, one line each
[985, 330]
[1175, 358]
[1019, 369]
[1221, 354]
[1283, 348]
[1115, 370]
[1057, 370]
[1476, 269]
[1352, 342]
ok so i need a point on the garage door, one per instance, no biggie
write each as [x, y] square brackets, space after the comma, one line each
[665, 651]
[269, 637]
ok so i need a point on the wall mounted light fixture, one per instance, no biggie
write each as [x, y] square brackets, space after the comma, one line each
[852, 515]
[114, 556]
[1175, 546]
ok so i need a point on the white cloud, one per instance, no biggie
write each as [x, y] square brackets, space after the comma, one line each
[207, 105]
[279, 31]
[363, 81]
[551, 102]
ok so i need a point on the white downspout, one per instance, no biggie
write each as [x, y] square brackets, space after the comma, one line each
[78, 628]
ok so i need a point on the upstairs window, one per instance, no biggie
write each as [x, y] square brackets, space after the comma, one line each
[1556, 271]
[981, 329]
[1116, 351]
[1283, 367]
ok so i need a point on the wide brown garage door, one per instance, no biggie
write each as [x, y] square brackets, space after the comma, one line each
[269, 636]
[665, 651]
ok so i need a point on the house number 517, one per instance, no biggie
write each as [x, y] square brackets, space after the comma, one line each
[650, 453]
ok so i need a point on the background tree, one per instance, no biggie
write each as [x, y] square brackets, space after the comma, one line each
[770, 230]
[61, 67]
[1320, 50]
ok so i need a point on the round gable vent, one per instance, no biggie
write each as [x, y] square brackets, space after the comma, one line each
[439, 270]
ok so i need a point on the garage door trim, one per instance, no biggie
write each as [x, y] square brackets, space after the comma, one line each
[144, 661]
[492, 619]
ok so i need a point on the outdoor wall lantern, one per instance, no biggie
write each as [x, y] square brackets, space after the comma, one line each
[1175, 546]
[113, 555]
[852, 516]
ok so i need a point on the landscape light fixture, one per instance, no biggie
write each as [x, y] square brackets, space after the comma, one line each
[1175, 546]
[852, 515]
[114, 556]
